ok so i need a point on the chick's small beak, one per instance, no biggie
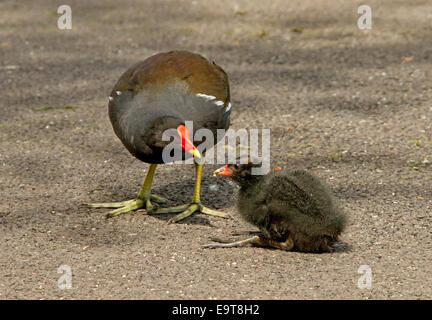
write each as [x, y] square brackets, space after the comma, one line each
[224, 171]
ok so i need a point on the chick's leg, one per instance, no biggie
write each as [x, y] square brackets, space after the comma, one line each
[224, 244]
[258, 241]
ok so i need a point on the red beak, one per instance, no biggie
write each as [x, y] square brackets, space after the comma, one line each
[224, 171]
[186, 142]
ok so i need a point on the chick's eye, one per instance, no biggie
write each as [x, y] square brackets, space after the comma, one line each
[236, 166]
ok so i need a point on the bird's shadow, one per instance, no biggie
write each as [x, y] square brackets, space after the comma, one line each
[340, 246]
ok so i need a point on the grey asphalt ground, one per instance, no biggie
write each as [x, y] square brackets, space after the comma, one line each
[352, 106]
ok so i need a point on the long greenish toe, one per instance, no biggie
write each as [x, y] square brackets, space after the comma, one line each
[186, 213]
[129, 206]
[187, 210]
[135, 204]
[119, 204]
[212, 212]
[175, 209]
[158, 199]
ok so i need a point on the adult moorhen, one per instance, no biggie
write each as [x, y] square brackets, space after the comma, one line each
[162, 93]
[293, 209]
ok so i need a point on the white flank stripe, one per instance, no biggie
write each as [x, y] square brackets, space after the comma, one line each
[219, 103]
[110, 98]
[229, 107]
[205, 96]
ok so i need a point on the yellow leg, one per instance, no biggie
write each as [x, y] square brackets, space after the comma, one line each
[143, 200]
[195, 204]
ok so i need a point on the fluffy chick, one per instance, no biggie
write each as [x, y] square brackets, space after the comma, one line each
[293, 210]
